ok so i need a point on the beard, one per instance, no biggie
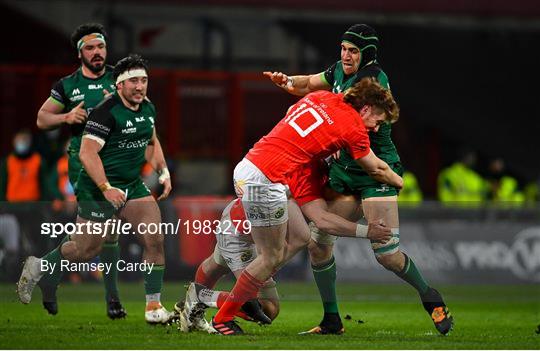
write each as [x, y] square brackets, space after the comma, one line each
[94, 67]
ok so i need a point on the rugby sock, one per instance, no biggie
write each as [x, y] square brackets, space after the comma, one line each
[52, 279]
[110, 254]
[412, 275]
[207, 280]
[325, 277]
[246, 288]
[212, 298]
[222, 297]
[153, 281]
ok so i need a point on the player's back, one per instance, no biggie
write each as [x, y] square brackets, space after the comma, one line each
[315, 127]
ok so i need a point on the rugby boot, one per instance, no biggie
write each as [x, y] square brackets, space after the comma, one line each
[330, 324]
[437, 310]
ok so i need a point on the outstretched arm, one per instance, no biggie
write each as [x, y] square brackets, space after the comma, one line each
[331, 223]
[298, 85]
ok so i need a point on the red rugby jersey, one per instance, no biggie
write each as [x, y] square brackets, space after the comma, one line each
[315, 127]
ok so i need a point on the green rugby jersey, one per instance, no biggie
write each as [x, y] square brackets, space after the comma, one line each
[381, 142]
[126, 134]
[70, 90]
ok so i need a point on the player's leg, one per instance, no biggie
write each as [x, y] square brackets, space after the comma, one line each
[323, 263]
[390, 257]
[270, 242]
[199, 295]
[80, 247]
[143, 213]
[210, 271]
[110, 254]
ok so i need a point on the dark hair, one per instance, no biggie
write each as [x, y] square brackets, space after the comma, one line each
[369, 92]
[129, 63]
[85, 29]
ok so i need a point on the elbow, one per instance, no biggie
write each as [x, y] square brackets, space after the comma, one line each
[39, 122]
[83, 156]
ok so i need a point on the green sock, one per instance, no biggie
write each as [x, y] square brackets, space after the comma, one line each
[153, 280]
[412, 275]
[325, 277]
[110, 254]
[55, 256]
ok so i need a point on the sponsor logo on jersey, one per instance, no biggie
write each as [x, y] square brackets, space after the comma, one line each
[129, 124]
[77, 98]
[75, 91]
[139, 119]
[136, 144]
[95, 86]
[92, 125]
[151, 120]
[129, 130]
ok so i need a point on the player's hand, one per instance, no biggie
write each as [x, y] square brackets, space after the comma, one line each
[106, 93]
[167, 187]
[379, 232]
[165, 180]
[115, 196]
[77, 115]
[280, 79]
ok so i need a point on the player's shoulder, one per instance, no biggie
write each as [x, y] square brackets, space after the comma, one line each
[73, 76]
[108, 103]
[372, 70]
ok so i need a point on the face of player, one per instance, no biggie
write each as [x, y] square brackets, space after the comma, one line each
[133, 90]
[373, 118]
[93, 55]
[350, 58]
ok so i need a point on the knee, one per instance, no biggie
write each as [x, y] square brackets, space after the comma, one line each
[393, 262]
[273, 258]
[78, 252]
[154, 243]
[270, 308]
[319, 253]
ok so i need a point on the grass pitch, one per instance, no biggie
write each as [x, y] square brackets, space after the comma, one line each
[382, 317]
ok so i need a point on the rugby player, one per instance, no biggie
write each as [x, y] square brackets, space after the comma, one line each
[235, 249]
[119, 137]
[315, 127]
[71, 100]
[349, 184]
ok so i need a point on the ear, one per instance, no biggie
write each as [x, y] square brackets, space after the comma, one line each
[365, 109]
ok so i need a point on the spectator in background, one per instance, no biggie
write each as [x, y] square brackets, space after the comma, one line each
[23, 173]
[10, 240]
[411, 194]
[65, 202]
[503, 189]
[460, 185]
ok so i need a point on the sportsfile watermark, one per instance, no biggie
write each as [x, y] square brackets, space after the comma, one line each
[121, 227]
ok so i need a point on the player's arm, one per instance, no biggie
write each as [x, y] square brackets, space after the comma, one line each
[91, 162]
[317, 212]
[154, 156]
[51, 114]
[298, 85]
[379, 170]
[95, 136]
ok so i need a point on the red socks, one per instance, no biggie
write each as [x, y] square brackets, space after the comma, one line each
[246, 288]
[204, 279]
